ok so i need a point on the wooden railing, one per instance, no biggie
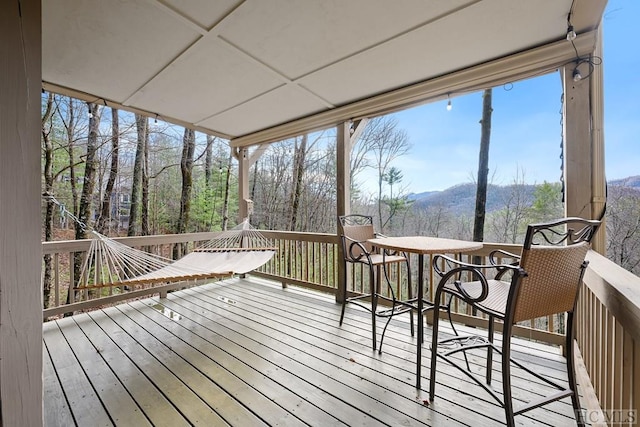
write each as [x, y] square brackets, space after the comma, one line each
[608, 336]
[304, 259]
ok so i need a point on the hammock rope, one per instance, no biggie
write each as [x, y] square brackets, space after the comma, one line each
[109, 263]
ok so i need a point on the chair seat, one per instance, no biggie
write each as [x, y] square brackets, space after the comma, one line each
[496, 301]
[379, 259]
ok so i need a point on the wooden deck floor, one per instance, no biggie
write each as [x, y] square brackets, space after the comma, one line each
[244, 352]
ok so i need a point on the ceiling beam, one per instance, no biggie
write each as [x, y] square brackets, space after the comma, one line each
[511, 68]
[83, 96]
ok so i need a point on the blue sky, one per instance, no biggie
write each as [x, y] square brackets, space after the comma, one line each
[526, 129]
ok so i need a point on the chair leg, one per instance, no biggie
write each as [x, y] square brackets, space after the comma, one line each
[434, 344]
[409, 294]
[344, 295]
[506, 376]
[374, 303]
[384, 330]
[490, 350]
[571, 369]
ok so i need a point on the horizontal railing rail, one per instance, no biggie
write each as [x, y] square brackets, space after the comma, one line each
[303, 259]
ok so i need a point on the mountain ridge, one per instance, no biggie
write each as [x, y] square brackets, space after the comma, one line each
[460, 198]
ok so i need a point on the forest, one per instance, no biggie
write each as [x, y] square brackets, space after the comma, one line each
[125, 174]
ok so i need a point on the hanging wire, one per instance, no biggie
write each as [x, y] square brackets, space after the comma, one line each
[561, 112]
[64, 211]
[590, 60]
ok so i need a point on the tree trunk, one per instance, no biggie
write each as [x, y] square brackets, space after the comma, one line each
[208, 178]
[483, 168]
[48, 189]
[70, 144]
[145, 182]
[208, 161]
[225, 206]
[141, 126]
[105, 211]
[298, 173]
[186, 168]
[84, 209]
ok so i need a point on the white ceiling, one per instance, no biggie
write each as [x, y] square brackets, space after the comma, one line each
[233, 67]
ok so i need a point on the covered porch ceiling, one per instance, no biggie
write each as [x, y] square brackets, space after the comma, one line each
[257, 71]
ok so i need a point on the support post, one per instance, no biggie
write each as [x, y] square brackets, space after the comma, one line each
[245, 161]
[242, 155]
[347, 135]
[343, 199]
[584, 171]
[20, 189]
[598, 175]
[577, 144]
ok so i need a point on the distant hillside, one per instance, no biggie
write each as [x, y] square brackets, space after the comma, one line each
[631, 181]
[418, 196]
[461, 198]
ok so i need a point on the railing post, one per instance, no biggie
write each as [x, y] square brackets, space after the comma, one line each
[71, 292]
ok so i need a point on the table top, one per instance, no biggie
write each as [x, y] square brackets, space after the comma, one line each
[425, 244]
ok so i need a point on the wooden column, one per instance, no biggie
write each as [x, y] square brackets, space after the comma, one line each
[20, 222]
[577, 144]
[343, 200]
[343, 176]
[245, 161]
[598, 175]
[584, 172]
[242, 155]
[347, 134]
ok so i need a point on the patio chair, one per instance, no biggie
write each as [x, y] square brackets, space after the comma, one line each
[355, 230]
[545, 280]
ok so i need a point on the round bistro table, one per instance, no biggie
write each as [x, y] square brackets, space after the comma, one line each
[423, 245]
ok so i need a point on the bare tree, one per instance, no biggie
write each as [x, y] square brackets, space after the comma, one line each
[380, 144]
[186, 169]
[70, 124]
[105, 210]
[84, 209]
[144, 209]
[208, 160]
[508, 224]
[47, 146]
[227, 191]
[623, 227]
[483, 168]
[299, 157]
[141, 126]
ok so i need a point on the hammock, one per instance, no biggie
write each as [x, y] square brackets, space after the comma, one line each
[237, 251]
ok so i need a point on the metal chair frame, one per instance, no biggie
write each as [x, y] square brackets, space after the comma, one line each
[359, 251]
[572, 243]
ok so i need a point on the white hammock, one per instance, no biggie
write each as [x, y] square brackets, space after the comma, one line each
[109, 263]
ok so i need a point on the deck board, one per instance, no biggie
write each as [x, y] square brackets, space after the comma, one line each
[150, 399]
[55, 402]
[245, 352]
[252, 307]
[81, 396]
